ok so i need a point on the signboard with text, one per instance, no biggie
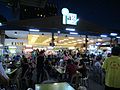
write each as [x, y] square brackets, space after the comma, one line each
[69, 18]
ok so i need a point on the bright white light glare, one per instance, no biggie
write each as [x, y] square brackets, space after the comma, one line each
[70, 29]
[65, 11]
[113, 34]
[118, 37]
[79, 40]
[37, 87]
[0, 24]
[1, 45]
[55, 84]
[74, 33]
[103, 35]
[28, 45]
[34, 30]
[58, 31]
[74, 41]
[99, 39]
[71, 37]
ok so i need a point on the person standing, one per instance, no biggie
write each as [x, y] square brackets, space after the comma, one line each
[112, 70]
[4, 79]
[40, 66]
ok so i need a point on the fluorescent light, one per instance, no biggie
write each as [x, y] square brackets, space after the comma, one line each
[79, 40]
[15, 33]
[103, 35]
[113, 34]
[70, 29]
[1, 45]
[74, 41]
[71, 37]
[58, 31]
[69, 42]
[0, 24]
[74, 33]
[118, 37]
[34, 30]
[99, 39]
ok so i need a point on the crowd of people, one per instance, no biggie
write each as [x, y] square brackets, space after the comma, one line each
[39, 66]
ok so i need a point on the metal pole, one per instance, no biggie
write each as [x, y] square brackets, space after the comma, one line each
[86, 43]
[52, 39]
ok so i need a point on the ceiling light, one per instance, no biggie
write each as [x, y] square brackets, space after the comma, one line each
[74, 41]
[0, 24]
[69, 42]
[58, 32]
[118, 37]
[70, 29]
[79, 40]
[34, 30]
[99, 39]
[113, 34]
[65, 39]
[15, 33]
[65, 43]
[74, 33]
[92, 41]
[103, 35]
[71, 37]
[55, 36]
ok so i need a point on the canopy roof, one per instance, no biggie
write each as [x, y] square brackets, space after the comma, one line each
[53, 24]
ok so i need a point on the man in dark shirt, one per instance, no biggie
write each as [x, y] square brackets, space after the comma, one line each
[40, 66]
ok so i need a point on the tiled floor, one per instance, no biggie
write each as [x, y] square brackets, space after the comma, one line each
[95, 86]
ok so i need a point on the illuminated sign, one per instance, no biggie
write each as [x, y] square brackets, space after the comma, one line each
[69, 18]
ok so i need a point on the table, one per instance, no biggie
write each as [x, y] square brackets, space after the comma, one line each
[60, 70]
[54, 86]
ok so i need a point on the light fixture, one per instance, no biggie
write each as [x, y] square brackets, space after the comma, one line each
[74, 41]
[113, 34]
[0, 24]
[103, 35]
[71, 37]
[58, 32]
[34, 30]
[70, 29]
[118, 37]
[74, 33]
[99, 39]
[79, 40]
[15, 33]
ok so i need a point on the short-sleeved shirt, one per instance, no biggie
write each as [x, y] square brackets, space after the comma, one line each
[112, 69]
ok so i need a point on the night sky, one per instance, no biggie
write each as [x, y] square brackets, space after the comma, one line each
[105, 13]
